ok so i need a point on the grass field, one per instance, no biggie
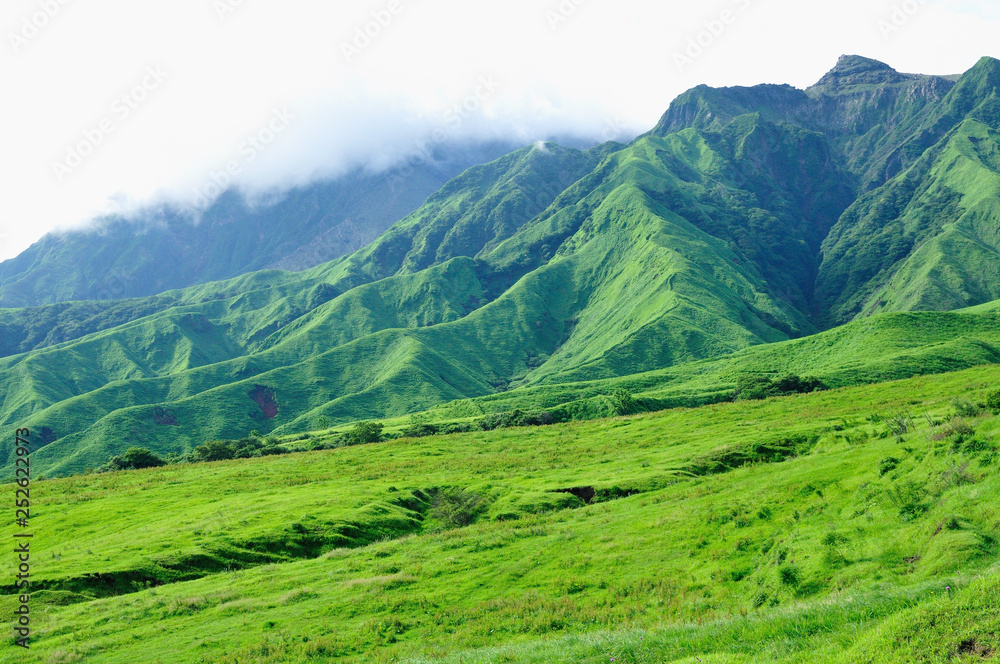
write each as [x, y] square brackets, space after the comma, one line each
[858, 524]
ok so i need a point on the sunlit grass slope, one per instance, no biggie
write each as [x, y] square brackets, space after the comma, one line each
[858, 524]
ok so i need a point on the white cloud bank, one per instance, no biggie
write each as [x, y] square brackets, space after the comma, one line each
[116, 102]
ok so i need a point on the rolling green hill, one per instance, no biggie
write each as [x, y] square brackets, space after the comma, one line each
[393, 344]
[882, 348]
[747, 217]
[854, 525]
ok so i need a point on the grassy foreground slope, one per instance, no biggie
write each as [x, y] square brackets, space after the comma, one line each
[859, 525]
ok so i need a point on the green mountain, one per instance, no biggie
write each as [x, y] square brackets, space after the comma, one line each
[877, 119]
[163, 247]
[930, 238]
[747, 217]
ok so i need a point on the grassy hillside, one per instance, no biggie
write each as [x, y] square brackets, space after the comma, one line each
[605, 278]
[852, 525]
[412, 376]
[884, 347]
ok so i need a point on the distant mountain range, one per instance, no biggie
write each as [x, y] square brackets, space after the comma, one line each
[746, 216]
[165, 247]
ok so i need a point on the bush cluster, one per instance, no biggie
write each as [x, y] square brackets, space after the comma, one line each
[491, 422]
[135, 458]
[363, 433]
[514, 418]
[245, 448]
[755, 387]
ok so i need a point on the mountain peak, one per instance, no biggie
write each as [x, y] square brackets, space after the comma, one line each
[977, 86]
[857, 70]
[986, 71]
[988, 61]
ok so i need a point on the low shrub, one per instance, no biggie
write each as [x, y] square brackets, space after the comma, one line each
[993, 402]
[135, 458]
[910, 498]
[625, 403]
[965, 408]
[900, 424]
[364, 433]
[790, 575]
[756, 387]
[454, 507]
[887, 465]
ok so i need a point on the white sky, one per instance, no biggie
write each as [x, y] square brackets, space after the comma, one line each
[608, 68]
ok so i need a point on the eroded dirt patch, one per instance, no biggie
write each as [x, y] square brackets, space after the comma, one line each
[266, 400]
[164, 418]
[584, 493]
[972, 648]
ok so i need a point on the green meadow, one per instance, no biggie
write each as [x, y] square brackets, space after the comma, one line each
[858, 524]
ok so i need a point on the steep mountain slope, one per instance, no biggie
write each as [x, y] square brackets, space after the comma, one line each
[880, 120]
[640, 257]
[921, 149]
[877, 120]
[164, 248]
[928, 239]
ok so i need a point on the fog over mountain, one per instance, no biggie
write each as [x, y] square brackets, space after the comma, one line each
[161, 101]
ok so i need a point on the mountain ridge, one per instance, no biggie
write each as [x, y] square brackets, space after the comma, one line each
[747, 216]
[167, 247]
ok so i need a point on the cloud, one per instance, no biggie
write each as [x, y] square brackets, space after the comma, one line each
[368, 83]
